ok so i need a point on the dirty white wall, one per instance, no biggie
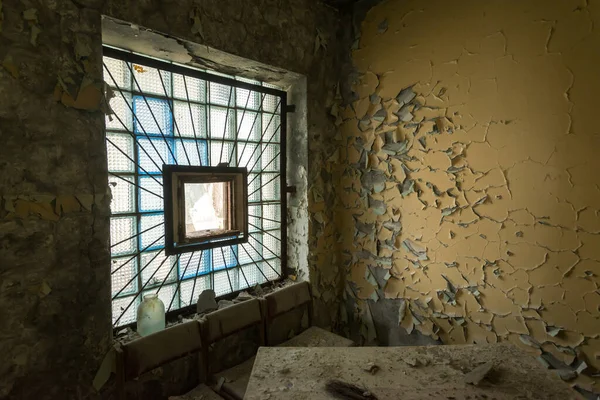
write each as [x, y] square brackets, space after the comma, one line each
[475, 195]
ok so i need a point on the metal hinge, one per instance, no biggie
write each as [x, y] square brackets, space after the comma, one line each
[290, 108]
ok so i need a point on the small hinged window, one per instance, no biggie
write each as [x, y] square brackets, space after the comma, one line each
[205, 207]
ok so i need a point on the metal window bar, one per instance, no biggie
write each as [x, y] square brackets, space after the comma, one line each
[152, 142]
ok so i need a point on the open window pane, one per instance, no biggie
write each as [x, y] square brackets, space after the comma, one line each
[206, 208]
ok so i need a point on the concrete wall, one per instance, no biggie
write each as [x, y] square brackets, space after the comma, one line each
[54, 266]
[468, 175]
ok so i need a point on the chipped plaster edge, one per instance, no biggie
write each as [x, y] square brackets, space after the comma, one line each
[158, 45]
[132, 37]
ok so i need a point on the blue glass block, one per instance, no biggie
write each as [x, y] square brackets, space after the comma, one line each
[153, 118]
[194, 264]
[193, 148]
[224, 257]
[148, 238]
[149, 201]
[153, 153]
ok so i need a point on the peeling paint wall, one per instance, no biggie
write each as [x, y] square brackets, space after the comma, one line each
[468, 183]
[54, 266]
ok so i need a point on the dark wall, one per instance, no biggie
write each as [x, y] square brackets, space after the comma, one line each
[54, 202]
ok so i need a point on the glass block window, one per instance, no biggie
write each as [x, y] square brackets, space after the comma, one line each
[166, 114]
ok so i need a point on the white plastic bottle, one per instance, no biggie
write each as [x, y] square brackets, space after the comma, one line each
[150, 315]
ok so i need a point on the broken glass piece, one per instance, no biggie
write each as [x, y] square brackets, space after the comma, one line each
[452, 264]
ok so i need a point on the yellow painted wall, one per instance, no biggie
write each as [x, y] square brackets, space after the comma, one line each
[500, 239]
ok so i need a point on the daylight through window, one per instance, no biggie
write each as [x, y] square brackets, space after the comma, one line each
[169, 115]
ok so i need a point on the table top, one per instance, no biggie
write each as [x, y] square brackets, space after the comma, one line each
[404, 373]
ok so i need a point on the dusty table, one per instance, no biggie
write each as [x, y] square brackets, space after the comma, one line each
[405, 373]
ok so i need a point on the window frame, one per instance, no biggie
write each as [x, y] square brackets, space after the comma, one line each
[262, 257]
[175, 174]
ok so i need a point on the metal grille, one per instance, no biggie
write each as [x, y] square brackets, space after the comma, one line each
[165, 113]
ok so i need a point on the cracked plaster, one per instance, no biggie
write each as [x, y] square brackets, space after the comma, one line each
[474, 124]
